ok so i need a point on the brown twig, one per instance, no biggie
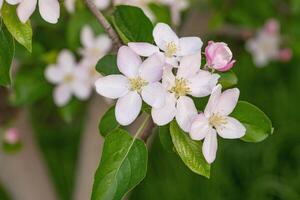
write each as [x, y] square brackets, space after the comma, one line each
[148, 131]
[105, 24]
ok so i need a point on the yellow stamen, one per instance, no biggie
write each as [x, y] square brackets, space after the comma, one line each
[181, 87]
[171, 49]
[137, 84]
[68, 78]
[217, 120]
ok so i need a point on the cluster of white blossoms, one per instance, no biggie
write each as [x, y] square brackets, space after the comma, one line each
[74, 78]
[49, 9]
[167, 76]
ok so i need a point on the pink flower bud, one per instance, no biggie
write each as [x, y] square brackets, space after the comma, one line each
[272, 26]
[285, 54]
[219, 56]
[12, 136]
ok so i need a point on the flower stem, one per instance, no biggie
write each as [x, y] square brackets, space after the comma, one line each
[145, 129]
[105, 24]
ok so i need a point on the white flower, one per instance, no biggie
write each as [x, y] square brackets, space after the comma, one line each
[189, 80]
[138, 79]
[215, 120]
[69, 79]
[167, 41]
[100, 4]
[1, 2]
[94, 47]
[49, 9]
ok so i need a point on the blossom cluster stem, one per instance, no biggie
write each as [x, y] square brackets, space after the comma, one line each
[145, 129]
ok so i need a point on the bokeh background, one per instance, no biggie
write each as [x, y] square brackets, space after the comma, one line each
[61, 147]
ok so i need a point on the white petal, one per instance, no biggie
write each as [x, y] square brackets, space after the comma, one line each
[54, 74]
[102, 4]
[128, 108]
[203, 83]
[168, 78]
[154, 94]
[210, 146]
[49, 10]
[163, 34]
[186, 113]
[189, 45]
[143, 49]
[104, 43]
[66, 60]
[152, 68]
[189, 65]
[87, 36]
[233, 129]
[165, 114]
[62, 95]
[82, 90]
[12, 2]
[128, 62]
[200, 127]
[112, 86]
[70, 5]
[1, 2]
[213, 101]
[25, 9]
[228, 101]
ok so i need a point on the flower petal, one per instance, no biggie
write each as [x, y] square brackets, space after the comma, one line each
[25, 9]
[128, 62]
[200, 127]
[151, 69]
[185, 113]
[233, 129]
[189, 65]
[163, 34]
[87, 36]
[154, 94]
[82, 90]
[102, 4]
[66, 60]
[104, 43]
[162, 116]
[62, 95]
[189, 45]
[227, 101]
[49, 10]
[70, 5]
[12, 2]
[54, 74]
[168, 78]
[1, 2]
[128, 108]
[143, 49]
[112, 86]
[213, 101]
[210, 146]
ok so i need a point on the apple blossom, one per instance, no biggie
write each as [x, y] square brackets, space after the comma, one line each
[49, 9]
[100, 4]
[167, 41]
[94, 47]
[69, 79]
[215, 120]
[219, 56]
[138, 79]
[12, 136]
[189, 80]
[285, 55]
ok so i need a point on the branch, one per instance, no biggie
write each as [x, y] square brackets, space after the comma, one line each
[105, 24]
[148, 131]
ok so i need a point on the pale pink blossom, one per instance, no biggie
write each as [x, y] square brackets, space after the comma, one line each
[12, 136]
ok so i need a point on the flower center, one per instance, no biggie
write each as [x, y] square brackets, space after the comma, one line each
[137, 84]
[217, 120]
[171, 49]
[68, 78]
[181, 87]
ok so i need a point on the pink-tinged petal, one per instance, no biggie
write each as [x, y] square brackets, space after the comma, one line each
[154, 94]
[128, 108]
[49, 10]
[203, 83]
[151, 69]
[163, 34]
[213, 101]
[143, 49]
[87, 36]
[186, 113]
[200, 127]
[112, 86]
[189, 45]
[54, 74]
[102, 4]
[189, 65]
[227, 67]
[62, 95]
[168, 78]
[233, 129]
[227, 101]
[128, 62]
[210, 146]
[25, 9]
[164, 115]
[66, 60]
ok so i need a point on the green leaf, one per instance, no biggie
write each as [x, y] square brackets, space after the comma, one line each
[108, 122]
[228, 79]
[7, 50]
[108, 65]
[123, 165]
[189, 151]
[257, 123]
[21, 32]
[132, 24]
[161, 12]
[165, 138]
